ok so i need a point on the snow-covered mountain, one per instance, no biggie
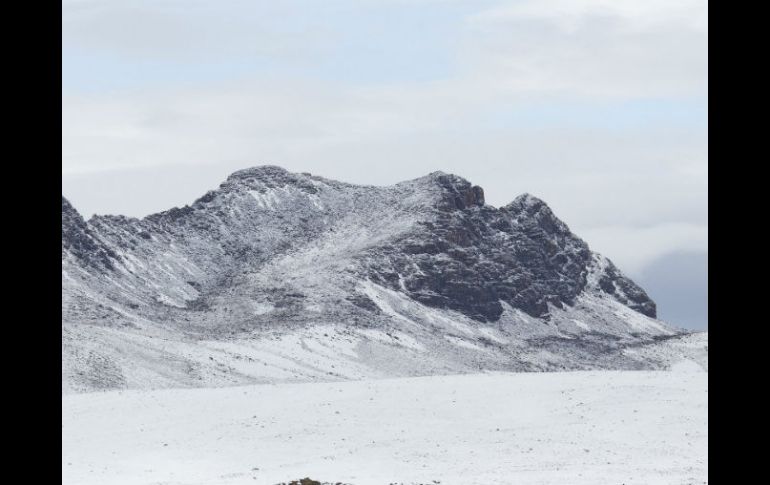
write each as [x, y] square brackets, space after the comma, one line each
[277, 276]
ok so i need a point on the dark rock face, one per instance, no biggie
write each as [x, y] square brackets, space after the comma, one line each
[457, 192]
[78, 239]
[433, 239]
[473, 256]
[626, 291]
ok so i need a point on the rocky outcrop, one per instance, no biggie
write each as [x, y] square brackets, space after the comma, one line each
[471, 258]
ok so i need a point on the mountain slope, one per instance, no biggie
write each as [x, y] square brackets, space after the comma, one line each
[283, 276]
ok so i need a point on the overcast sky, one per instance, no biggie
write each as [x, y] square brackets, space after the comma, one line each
[599, 107]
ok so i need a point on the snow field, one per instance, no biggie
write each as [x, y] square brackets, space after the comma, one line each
[579, 428]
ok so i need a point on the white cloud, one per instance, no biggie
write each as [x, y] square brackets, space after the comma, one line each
[640, 14]
[633, 248]
[597, 48]
[192, 31]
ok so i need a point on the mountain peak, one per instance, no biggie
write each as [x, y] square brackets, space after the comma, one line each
[458, 192]
[66, 207]
[259, 171]
[529, 209]
[78, 239]
[528, 200]
[444, 177]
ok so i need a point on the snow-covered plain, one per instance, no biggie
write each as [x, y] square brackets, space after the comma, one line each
[597, 427]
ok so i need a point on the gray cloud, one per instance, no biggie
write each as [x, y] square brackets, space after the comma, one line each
[678, 282]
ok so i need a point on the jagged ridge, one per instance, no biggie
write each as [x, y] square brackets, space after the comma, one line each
[270, 250]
